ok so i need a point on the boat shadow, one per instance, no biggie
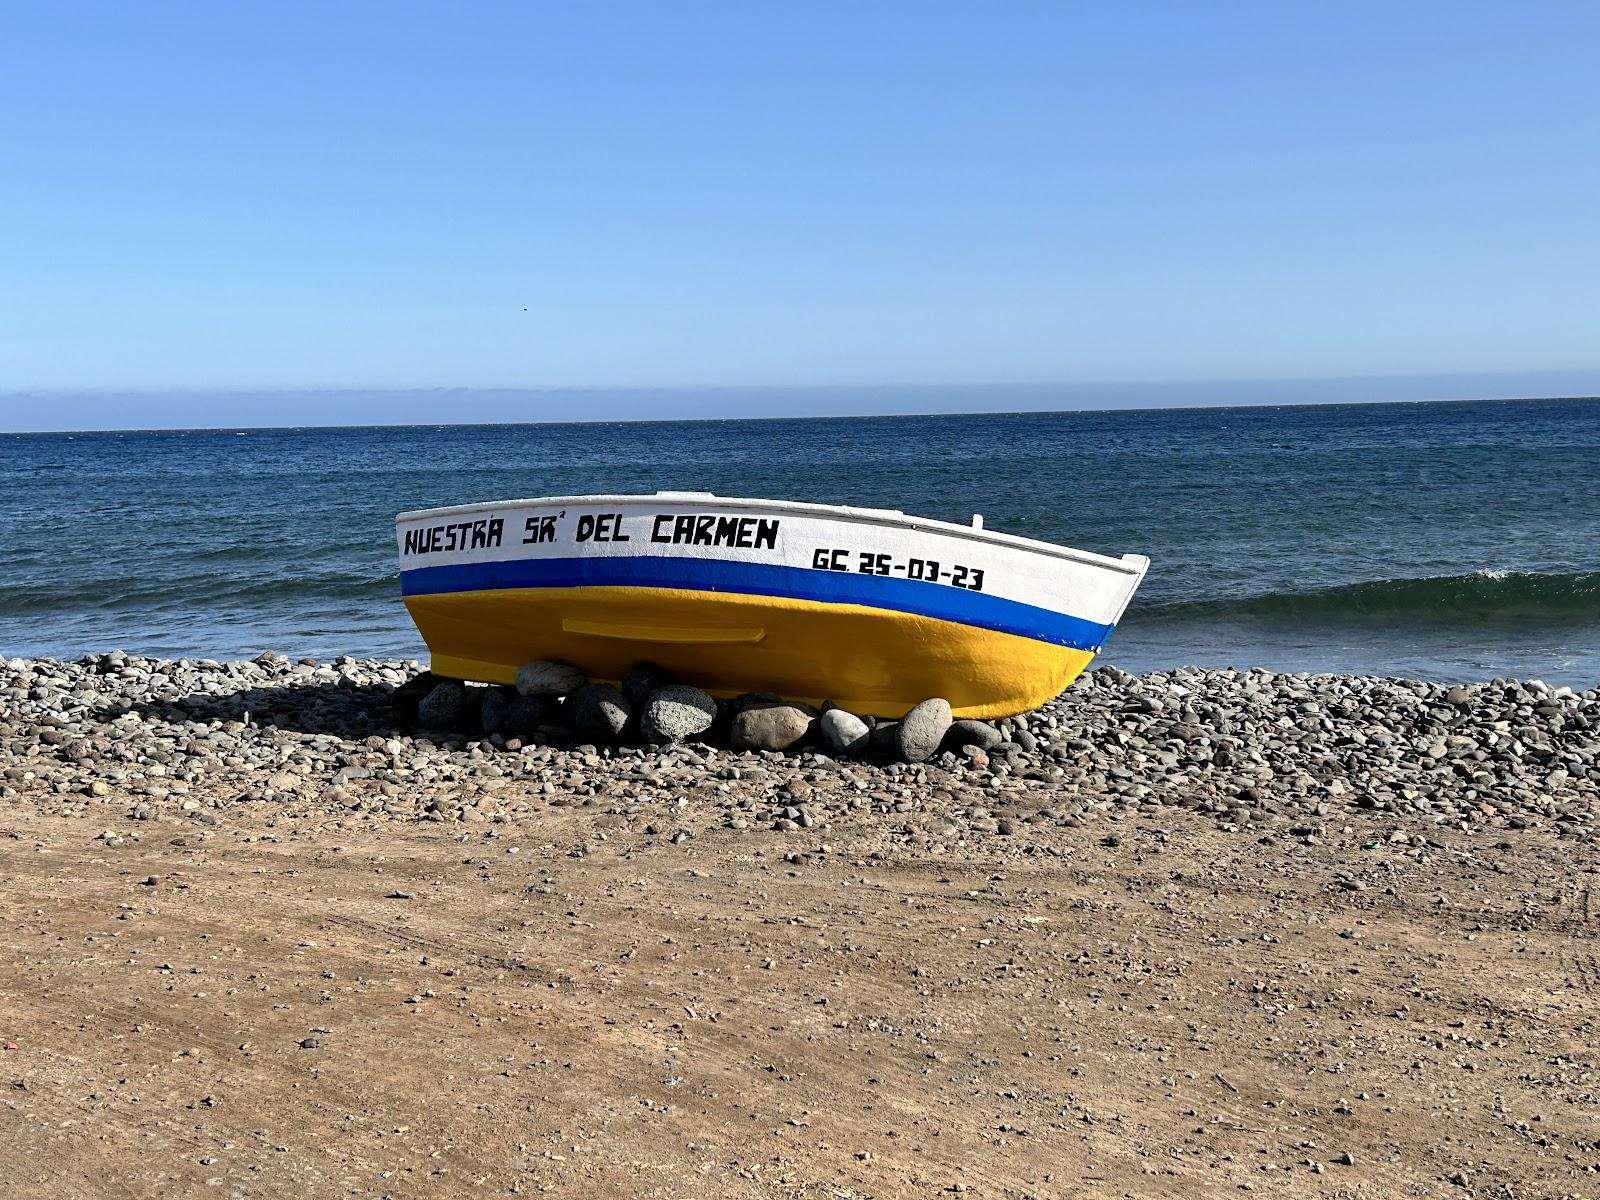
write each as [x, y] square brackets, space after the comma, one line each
[349, 712]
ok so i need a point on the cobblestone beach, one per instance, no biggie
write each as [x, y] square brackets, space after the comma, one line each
[1182, 934]
[1250, 751]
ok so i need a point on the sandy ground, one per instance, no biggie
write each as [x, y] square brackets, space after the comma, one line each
[1140, 1008]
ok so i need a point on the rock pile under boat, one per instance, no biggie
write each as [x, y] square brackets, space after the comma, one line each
[553, 702]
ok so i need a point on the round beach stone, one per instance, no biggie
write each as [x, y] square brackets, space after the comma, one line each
[844, 732]
[972, 733]
[885, 737]
[600, 712]
[771, 726]
[548, 679]
[512, 715]
[450, 705]
[677, 712]
[922, 730]
[643, 680]
[405, 699]
[496, 701]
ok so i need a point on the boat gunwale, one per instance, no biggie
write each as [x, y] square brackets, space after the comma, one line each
[1128, 564]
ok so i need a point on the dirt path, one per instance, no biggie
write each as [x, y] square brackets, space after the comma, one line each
[413, 1010]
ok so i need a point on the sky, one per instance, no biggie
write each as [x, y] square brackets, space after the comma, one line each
[202, 205]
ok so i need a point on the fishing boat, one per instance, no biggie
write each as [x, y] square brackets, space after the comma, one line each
[870, 608]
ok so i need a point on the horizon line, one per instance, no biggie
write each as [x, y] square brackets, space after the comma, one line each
[1220, 408]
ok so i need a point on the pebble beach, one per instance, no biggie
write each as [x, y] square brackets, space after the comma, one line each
[1249, 751]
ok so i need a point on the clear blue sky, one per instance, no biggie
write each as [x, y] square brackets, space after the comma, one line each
[398, 195]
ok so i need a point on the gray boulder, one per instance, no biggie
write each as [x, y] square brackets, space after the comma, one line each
[497, 701]
[451, 706]
[676, 713]
[921, 731]
[408, 697]
[512, 715]
[643, 680]
[972, 733]
[548, 679]
[600, 712]
[844, 732]
[766, 726]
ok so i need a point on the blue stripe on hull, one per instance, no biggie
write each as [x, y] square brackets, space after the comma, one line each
[913, 596]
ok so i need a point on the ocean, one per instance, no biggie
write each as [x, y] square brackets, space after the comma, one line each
[1452, 541]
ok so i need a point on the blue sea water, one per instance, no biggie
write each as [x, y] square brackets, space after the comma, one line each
[1440, 541]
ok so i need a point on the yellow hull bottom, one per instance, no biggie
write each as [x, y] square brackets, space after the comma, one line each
[867, 660]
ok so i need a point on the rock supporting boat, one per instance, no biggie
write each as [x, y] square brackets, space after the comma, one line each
[870, 608]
